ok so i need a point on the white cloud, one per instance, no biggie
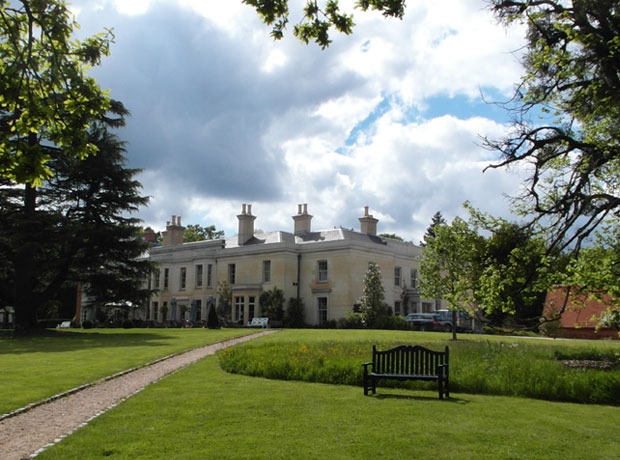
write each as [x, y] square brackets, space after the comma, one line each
[224, 115]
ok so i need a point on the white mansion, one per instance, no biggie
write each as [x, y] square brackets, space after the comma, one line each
[324, 268]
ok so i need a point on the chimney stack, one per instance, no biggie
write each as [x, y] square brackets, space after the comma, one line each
[174, 232]
[368, 224]
[246, 224]
[302, 219]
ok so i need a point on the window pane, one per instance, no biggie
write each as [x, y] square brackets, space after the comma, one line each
[266, 271]
[183, 278]
[322, 309]
[231, 273]
[198, 275]
[396, 276]
[322, 272]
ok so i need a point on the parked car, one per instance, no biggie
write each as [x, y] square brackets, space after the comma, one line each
[423, 321]
[463, 320]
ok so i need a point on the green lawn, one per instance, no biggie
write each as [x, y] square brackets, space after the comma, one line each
[34, 368]
[203, 413]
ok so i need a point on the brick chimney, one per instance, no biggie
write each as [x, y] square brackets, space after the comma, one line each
[246, 224]
[174, 232]
[302, 219]
[368, 224]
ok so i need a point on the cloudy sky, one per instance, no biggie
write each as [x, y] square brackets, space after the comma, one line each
[389, 117]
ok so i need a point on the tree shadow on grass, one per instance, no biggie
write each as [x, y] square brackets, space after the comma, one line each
[422, 398]
[70, 341]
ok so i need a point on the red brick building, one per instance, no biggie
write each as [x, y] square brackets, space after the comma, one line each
[577, 320]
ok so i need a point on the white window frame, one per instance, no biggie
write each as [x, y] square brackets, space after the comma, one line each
[239, 307]
[199, 270]
[182, 278]
[398, 278]
[156, 275]
[232, 269]
[322, 274]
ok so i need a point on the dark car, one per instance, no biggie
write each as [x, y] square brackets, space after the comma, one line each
[423, 321]
[463, 320]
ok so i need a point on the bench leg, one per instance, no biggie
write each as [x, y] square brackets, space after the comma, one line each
[442, 385]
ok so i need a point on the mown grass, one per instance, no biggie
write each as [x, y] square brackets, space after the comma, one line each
[34, 368]
[203, 413]
[478, 364]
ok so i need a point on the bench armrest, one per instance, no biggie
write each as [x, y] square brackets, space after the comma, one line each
[366, 367]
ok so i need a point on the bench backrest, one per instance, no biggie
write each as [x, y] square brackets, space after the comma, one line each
[408, 360]
[259, 321]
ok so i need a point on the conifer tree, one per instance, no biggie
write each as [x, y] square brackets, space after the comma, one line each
[372, 302]
[79, 230]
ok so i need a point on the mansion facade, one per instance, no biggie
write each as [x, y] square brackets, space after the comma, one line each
[324, 268]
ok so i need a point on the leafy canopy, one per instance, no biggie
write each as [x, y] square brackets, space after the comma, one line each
[196, 232]
[46, 98]
[319, 17]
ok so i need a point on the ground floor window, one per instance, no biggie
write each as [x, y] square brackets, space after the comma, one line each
[155, 310]
[322, 309]
[239, 309]
[251, 305]
[427, 307]
[397, 308]
[198, 310]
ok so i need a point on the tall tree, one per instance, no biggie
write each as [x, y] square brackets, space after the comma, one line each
[272, 304]
[224, 300]
[517, 272]
[451, 266]
[372, 302]
[80, 231]
[430, 231]
[46, 101]
[572, 74]
[196, 232]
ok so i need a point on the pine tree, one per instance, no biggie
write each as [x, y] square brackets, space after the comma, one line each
[213, 321]
[75, 230]
[430, 231]
[372, 303]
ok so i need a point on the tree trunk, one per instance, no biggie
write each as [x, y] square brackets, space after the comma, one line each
[453, 324]
[25, 301]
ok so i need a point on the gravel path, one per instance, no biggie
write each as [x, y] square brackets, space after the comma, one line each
[26, 434]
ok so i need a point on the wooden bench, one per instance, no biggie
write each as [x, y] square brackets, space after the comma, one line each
[63, 325]
[408, 362]
[259, 322]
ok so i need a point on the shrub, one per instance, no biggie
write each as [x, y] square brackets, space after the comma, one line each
[87, 324]
[353, 320]
[212, 320]
[295, 313]
[127, 324]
